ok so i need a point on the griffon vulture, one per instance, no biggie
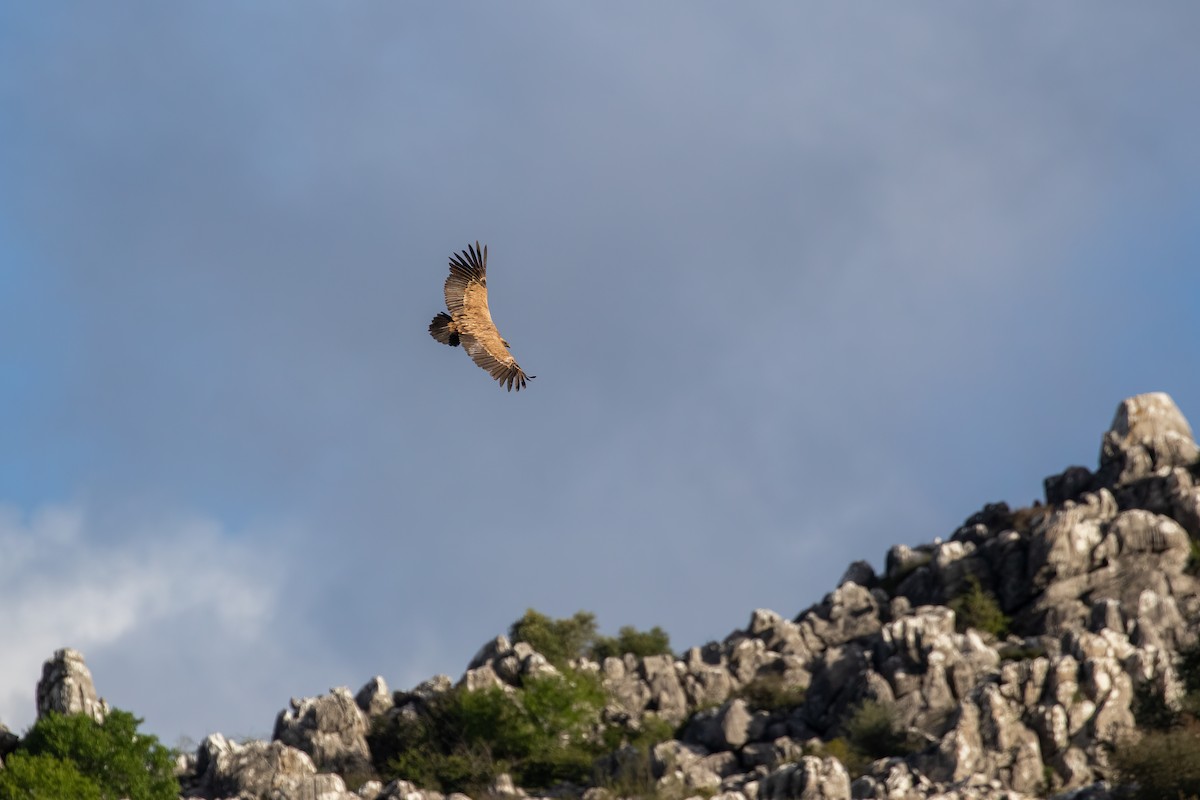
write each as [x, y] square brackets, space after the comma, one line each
[469, 322]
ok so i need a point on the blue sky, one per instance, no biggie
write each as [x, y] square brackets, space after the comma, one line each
[798, 281]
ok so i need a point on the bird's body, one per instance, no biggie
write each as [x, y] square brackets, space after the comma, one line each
[469, 322]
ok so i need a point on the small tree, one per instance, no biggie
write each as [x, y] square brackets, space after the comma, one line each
[461, 740]
[977, 608]
[559, 640]
[870, 732]
[120, 761]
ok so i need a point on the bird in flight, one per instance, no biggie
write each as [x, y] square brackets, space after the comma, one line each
[469, 322]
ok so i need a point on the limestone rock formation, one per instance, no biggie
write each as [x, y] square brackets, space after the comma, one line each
[66, 687]
[1009, 658]
[1148, 436]
[330, 728]
[374, 699]
[262, 771]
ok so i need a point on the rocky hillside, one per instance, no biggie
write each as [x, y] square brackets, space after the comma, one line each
[1020, 657]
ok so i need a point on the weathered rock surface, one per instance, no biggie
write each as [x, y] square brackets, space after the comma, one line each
[1148, 435]
[810, 778]
[330, 728]
[66, 687]
[374, 699]
[262, 771]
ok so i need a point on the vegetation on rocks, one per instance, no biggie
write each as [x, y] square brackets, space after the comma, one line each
[872, 731]
[977, 608]
[654, 642]
[28, 777]
[72, 755]
[559, 640]
[1161, 764]
[1164, 761]
[1100, 583]
[568, 638]
[771, 692]
[547, 730]
[460, 740]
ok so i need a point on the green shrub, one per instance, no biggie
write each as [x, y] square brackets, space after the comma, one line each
[559, 640]
[1161, 764]
[871, 731]
[653, 642]
[545, 732]
[874, 729]
[43, 777]
[654, 730]
[122, 762]
[542, 734]
[977, 608]
[771, 692]
[852, 759]
[445, 747]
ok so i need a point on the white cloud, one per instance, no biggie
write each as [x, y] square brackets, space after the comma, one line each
[68, 581]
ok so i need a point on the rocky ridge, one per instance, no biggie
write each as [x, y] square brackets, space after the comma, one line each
[1097, 586]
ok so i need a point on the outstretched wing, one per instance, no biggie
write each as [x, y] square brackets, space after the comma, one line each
[468, 274]
[466, 299]
[495, 358]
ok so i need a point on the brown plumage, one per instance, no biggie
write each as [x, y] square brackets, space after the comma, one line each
[469, 322]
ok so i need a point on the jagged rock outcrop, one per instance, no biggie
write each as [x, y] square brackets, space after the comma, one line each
[1148, 436]
[262, 771]
[374, 699]
[1007, 657]
[66, 687]
[501, 663]
[330, 728]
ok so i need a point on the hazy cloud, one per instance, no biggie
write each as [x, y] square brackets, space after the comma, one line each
[61, 587]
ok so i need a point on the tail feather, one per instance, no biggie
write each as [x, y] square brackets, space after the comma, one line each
[444, 329]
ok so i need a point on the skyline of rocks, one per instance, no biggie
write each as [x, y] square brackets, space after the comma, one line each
[1096, 585]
